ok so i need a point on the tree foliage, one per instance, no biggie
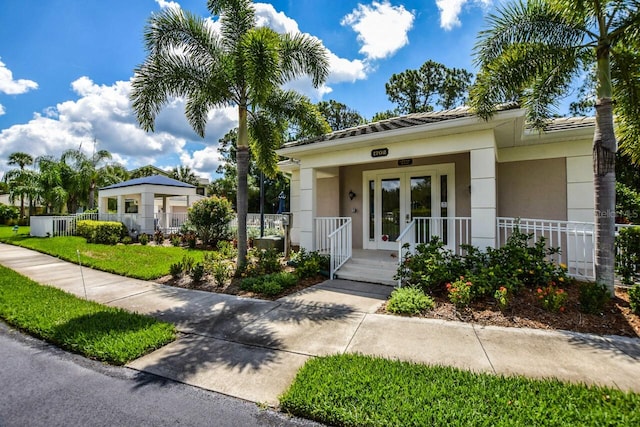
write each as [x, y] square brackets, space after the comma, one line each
[433, 84]
[235, 63]
[210, 217]
[339, 115]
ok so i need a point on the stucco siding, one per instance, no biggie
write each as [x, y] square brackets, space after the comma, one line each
[533, 189]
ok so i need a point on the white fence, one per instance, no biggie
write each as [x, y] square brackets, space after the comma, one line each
[452, 231]
[576, 241]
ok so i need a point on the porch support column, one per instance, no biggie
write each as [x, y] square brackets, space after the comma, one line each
[483, 197]
[580, 189]
[102, 201]
[307, 208]
[120, 208]
[145, 215]
[294, 207]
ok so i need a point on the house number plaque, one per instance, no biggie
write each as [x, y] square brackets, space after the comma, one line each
[379, 152]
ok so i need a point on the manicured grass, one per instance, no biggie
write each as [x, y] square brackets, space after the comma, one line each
[140, 262]
[104, 333]
[357, 390]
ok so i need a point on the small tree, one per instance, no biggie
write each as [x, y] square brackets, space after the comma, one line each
[210, 217]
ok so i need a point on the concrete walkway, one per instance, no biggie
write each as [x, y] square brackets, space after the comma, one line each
[252, 349]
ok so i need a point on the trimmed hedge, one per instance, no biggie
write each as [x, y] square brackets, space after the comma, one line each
[103, 232]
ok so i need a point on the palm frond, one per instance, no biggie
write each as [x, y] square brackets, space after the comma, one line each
[237, 17]
[304, 55]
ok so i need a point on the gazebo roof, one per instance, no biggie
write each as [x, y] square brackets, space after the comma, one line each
[150, 180]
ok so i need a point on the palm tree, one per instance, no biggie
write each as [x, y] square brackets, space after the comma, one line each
[82, 176]
[242, 65]
[184, 174]
[17, 178]
[532, 51]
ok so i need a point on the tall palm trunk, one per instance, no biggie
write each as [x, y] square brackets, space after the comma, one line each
[242, 199]
[604, 174]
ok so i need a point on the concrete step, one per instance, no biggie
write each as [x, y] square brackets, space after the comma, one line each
[368, 271]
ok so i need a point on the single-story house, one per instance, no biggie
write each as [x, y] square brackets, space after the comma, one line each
[372, 188]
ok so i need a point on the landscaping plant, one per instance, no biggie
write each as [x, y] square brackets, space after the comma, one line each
[460, 292]
[409, 300]
[628, 254]
[593, 297]
[502, 297]
[634, 298]
[211, 217]
[552, 298]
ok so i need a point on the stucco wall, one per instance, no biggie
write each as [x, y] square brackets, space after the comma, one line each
[533, 189]
[327, 190]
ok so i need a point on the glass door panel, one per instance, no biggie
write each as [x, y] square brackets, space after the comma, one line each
[420, 200]
[390, 197]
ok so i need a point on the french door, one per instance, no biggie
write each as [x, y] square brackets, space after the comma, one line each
[394, 197]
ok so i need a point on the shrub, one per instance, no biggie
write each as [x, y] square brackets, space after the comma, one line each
[264, 261]
[271, 284]
[210, 217]
[175, 270]
[158, 237]
[8, 213]
[143, 239]
[221, 271]
[459, 292]
[593, 296]
[226, 249]
[552, 298]
[309, 264]
[102, 232]
[175, 240]
[430, 266]
[634, 298]
[628, 254]
[197, 272]
[409, 300]
[187, 264]
[627, 203]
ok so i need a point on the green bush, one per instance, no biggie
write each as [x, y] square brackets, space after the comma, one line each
[175, 270]
[593, 296]
[429, 267]
[309, 264]
[211, 217]
[270, 284]
[143, 239]
[8, 213]
[221, 271]
[634, 298]
[628, 254]
[264, 261]
[409, 300]
[627, 203]
[197, 272]
[102, 232]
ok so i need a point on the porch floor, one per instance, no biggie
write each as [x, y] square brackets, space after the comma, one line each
[375, 255]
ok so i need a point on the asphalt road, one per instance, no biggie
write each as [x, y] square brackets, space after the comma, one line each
[41, 385]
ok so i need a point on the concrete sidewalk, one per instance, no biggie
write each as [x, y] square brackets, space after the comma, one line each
[252, 349]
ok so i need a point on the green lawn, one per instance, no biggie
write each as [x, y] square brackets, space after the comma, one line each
[104, 333]
[356, 390]
[140, 262]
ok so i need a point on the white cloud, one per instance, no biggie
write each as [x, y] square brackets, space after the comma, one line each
[165, 4]
[2, 110]
[266, 16]
[450, 11]
[382, 28]
[103, 112]
[14, 87]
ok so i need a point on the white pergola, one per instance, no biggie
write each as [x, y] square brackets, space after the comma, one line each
[145, 190]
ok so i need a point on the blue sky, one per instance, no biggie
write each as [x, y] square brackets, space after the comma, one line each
[66, 65]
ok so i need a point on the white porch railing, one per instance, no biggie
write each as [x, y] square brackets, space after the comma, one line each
[272, 222]
[576, 241]
[340, 246]
[324, 226]
[453, 231]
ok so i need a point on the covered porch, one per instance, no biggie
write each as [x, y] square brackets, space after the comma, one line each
[449, 174]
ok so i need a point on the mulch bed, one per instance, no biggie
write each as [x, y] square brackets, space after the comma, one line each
[525, 312]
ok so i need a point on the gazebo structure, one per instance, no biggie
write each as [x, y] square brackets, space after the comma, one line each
[136, 201]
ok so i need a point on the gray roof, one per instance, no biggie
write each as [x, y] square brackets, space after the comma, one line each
[150, 180]
[417, 119]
